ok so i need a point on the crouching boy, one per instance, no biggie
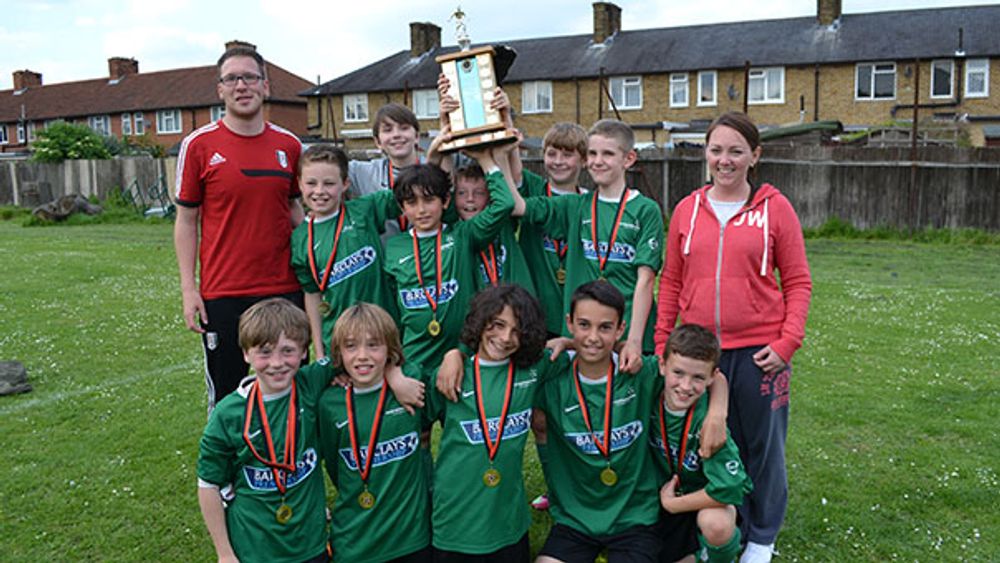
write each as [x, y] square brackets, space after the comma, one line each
[262, 440]
[705, 491]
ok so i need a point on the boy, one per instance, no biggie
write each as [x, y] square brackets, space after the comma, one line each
[369, 445]
[696, 489]
[395, 133]
[262, 439]
[433, 263]
[501, 261]
[599, 474]
[564, 152]
[615, 233]
[336, 253]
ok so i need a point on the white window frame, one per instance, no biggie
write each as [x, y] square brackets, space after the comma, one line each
[355, 108]
[101, 124]
[31, 131]
[425, 103]
[126, 124]
[139, 121]
[984, 71]
[22, 134]
[944, 64]
[714, 101]
[763, 73]
[168, 121]
[619, 86]
[217, 113]
[874, 70]
[536, 97]
[679, 84]
[3, 134]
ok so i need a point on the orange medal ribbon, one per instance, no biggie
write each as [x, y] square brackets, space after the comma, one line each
[403, 225]
[603, 260]
[256, 398]
[684, 442]
[604, 446]
[333, 252]
[561, 247]
[420, 273]
[490, 265]
[352, 424]
[491, 446]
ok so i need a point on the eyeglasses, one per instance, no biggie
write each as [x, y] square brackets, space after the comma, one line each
[249, 79]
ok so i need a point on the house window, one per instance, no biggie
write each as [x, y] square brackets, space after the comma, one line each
[875, 81]
[536, 97]
[126, 124]
[626, 92]
[3, 135]
[140, 123]
[679, 90]
[31, 131]
[425, 103]
[706, 88]
[355, 107]
[101, 124]
[941, 73]
[218, 112]
[168, 121]
[767, 85]
[21, 134]
[977, 78]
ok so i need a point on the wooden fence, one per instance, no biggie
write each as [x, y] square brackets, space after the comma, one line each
[867, 187]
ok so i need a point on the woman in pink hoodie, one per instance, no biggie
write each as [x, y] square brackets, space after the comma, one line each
[725, 242]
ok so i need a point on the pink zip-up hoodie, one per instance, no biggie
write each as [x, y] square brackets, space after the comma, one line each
[722, 277]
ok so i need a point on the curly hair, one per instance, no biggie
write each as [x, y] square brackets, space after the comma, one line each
[489, 303]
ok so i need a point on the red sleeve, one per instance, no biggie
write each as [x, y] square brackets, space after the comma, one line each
[296, 152]
[189, 189]
[667, 306]
[796, 281]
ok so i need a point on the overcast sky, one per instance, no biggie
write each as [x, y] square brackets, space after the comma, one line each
[69, 40]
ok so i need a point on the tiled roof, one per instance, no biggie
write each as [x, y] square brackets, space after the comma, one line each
[168, 89]
[898, 35]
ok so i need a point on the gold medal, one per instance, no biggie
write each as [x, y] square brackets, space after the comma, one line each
[561, 276]
[284, 514]
[434, 327]
[491, 478]
[324, 308]
[366, 500]
[609, 477]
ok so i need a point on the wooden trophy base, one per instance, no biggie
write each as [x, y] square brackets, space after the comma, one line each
[478, 140]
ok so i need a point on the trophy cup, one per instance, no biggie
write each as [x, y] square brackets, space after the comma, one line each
[472, 78]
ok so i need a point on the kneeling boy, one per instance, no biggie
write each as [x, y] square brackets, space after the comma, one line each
[703, 489]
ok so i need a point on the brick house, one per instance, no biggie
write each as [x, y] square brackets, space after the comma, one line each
[166, 105]
[859, 69]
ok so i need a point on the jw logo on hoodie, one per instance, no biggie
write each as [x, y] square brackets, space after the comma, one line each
[753, 218]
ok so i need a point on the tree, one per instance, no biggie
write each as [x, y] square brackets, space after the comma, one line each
[64, 141]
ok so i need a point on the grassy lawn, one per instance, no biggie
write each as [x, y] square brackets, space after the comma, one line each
[892, 449]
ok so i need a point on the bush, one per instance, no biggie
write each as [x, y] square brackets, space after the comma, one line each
[65, 141]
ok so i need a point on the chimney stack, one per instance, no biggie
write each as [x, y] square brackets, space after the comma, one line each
[26, 79]
[237, 43]
[607, 21]
[424, 36]
[119, 67]
[828, 11]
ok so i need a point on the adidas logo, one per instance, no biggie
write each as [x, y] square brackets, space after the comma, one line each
[216, 159]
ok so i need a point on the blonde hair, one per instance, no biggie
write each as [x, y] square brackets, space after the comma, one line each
[614, 129]
[265, 321]
[568, 137]
[363, 319]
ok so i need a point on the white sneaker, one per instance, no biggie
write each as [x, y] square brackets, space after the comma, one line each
[757, 553]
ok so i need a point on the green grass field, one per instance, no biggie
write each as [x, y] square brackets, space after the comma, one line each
[892, 449]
